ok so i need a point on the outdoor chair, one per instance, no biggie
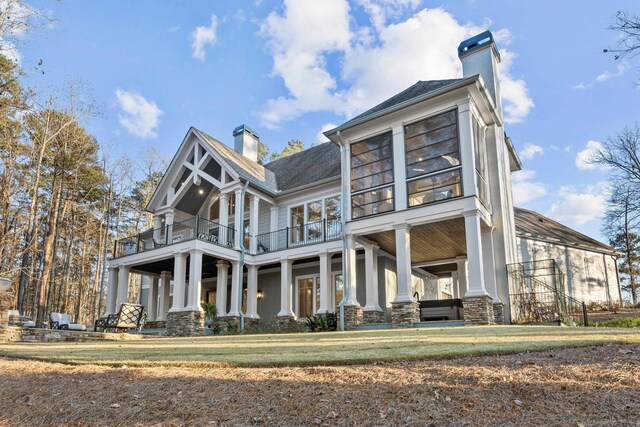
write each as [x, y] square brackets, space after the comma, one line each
[63, 322]
[128, 317]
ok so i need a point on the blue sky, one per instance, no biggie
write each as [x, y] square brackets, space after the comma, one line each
[292, 69]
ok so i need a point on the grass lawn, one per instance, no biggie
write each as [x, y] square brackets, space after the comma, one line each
[321, 348]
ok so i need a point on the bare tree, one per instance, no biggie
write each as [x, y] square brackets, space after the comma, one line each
[629, 27]
[622, 154]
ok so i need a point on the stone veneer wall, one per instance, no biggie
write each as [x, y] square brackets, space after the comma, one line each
[498, 313]
[6, 301]
[352, 317]
[185, 323]
[13, 334]
[478, 310]
[372, 316]
[404, 314]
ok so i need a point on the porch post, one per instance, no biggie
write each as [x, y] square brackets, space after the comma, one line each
[123, 285]
[112, 290]
[157, 228]
[168, 223]
[253, 223]
[454, 284]
[223, 214]
[252, 291]
[371, 271]
[350, 272]
[164, 289]
[478, 304]
[325, 278]
[236, 219]
[273, 224]
[462, 276]
[236, 281]
[221, 287]
[403, 262]
[152, 299]
[195, 280]
[489, 264]
[179, 272]
[286, 288]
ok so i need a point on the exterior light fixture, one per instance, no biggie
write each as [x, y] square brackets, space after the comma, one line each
[201, 191]
[259, 294]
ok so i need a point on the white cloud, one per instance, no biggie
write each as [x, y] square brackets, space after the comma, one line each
[530, 151]
[603, 77]
[203, 36]
[584, 157]
[173, 29]
[579, 207]
[325, 127]
[140, 117]
[347, 70]
[524, 189]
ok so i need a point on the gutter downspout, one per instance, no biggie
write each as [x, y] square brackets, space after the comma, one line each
[343, 198]
[242, 250]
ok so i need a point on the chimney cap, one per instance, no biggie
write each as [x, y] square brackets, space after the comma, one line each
[244, 128]
[480, 41]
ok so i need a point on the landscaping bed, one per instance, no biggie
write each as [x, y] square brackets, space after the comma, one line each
[583, 386]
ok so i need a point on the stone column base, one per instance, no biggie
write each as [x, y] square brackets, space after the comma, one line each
[284, 321]
[6, 301]
[185, 323]
[372, 316]
[498, 313]
[404, 314]
[478, 310]
[352, 317]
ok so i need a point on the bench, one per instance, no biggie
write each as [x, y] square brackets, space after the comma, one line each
[62, 321]
[128, 317]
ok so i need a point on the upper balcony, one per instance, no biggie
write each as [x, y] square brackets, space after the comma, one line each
[198, 228]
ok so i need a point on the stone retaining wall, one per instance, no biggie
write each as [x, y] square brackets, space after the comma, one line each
[404, 314]
[373, 316]
[17, 334]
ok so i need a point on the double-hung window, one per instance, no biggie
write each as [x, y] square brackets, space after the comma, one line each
[433, 159]
[315, 221]
[372, 176]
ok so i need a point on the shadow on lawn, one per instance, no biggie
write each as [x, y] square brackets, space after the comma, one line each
[596, 385]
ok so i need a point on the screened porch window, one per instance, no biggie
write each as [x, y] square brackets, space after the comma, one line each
[312, 221]
[433, 159]
[372, 176]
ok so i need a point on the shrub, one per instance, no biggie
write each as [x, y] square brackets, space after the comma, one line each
[320, 322]
[626, 322]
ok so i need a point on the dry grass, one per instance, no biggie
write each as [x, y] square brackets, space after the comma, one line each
[320, 348]
[591, 386]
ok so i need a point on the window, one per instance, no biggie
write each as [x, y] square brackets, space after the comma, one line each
[338, 286]
[307, 221]
[297, 223]
[480, 149]
[372, 176]
[433, 159]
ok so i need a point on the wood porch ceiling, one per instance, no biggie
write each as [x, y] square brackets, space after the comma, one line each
[429, 242]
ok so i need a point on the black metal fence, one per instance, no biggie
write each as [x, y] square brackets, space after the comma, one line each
[538, 295]
[300, 235]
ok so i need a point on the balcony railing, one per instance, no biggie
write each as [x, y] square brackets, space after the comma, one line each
[300, 235]
[212, 232]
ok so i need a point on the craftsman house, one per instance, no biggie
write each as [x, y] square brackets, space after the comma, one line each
[404, 215]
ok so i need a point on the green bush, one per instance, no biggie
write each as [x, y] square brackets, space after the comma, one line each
[626, 322]
[320, 322]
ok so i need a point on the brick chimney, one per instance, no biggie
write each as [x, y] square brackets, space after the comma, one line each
[246, 142]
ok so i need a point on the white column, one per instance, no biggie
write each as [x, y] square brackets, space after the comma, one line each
[195, 281]
[286, 288]
[475, 284]
[123, 286]
[179, 273]
[455, 284]
[236, 289]
[157, 230]
[489, 264]
[221, 287]
[349, 276]
[399, 172]
[253, 223]
[252, 292]
[168, 222]
[462, 276]
[152, 299]
[223, 214]
[325, 279]
[273, 224]
[467, 157]
[236, 217]
[371, 272]
[163, 291]
[112, 290]
[403, 262]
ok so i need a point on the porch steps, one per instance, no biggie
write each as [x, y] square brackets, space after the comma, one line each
[434, 324]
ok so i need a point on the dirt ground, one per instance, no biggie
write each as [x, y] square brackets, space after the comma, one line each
[588, 386]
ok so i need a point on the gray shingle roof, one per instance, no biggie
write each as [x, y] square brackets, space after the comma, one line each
[532, 224]
[247, 169]
[421, 88]
[306, 167]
